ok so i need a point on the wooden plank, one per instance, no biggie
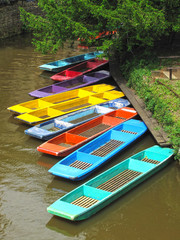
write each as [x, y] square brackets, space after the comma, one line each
[156, 130]
[169, 74]
[173, 68]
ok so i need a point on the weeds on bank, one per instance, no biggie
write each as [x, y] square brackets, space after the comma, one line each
[161, 101]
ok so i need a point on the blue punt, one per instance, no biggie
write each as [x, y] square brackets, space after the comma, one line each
[82, 162]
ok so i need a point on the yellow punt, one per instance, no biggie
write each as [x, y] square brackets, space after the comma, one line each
[47, 113]
[51, 100]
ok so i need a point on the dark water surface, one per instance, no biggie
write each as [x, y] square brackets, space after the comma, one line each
[151, 211]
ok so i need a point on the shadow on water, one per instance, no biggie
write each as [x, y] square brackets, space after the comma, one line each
[19, 41]
[47, 75]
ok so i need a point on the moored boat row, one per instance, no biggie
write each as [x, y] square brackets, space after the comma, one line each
[88, 126]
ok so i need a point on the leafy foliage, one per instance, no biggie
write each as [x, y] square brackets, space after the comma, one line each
[158, 99]
[139, 23]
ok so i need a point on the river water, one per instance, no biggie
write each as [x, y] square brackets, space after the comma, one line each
[151, 211]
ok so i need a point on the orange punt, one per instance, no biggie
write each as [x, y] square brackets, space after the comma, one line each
[67, 142]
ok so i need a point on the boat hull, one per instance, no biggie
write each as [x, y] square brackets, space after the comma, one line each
[60, 65]
[99, 192]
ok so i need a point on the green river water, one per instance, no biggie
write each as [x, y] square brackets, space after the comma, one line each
[151, 211]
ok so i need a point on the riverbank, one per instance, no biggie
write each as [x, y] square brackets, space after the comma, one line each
[145, 74]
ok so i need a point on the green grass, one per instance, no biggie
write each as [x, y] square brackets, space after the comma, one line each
[160, 100]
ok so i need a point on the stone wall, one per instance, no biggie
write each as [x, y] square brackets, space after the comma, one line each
[10, 24]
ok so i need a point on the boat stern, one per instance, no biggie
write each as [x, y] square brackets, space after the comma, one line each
[17, 109]
[65, 210]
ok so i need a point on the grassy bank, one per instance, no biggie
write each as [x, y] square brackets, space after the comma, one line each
[160, 94]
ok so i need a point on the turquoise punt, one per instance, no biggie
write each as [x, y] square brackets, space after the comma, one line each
[100, 191]
[62, 64]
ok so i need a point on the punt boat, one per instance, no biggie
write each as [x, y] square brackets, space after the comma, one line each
[56, 126]
[47, 113]
[77, 82]
[52, 100]
[60, 65]
[80, 69]
[67, 142]
[100, 191]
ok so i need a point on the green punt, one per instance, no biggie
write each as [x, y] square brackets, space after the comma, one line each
[100, 191]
